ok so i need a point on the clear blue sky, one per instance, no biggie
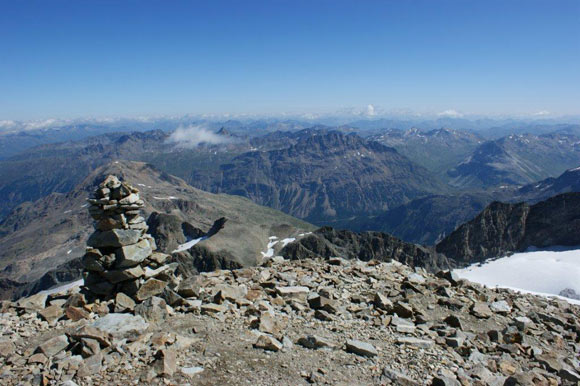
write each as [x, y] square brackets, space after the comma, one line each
[69, 59]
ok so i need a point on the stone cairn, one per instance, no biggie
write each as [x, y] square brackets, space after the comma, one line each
[120, 260]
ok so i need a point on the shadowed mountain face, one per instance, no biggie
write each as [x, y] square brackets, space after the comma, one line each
[327, 176]
[501, 228]
[51, 231]
[517, 160]
[425, 220]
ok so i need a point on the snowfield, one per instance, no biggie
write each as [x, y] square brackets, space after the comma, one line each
[543, 272]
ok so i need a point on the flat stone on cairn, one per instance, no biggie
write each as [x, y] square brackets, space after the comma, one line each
[120, 255]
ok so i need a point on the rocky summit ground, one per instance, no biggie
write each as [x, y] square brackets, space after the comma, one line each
[296, 322]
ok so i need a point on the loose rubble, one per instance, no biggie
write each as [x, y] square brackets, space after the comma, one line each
[261, 326]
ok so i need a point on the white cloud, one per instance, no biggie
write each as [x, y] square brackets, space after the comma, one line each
[371, 111]
[192, 136]
[450, 113]
[542, 113]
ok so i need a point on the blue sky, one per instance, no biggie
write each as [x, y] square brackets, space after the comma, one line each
[70, 59]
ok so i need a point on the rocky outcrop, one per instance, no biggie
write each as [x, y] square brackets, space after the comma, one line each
[120, 256]
[503, 228]
[327, 242]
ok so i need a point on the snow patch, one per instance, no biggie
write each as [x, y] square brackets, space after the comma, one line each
[165, 198]
[270, 248]
[544, 272]
[189, 244]
[287, 241]
[64, 287]
[69, 251]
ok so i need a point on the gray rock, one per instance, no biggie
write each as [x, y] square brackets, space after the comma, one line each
[35, 302]
[153, 309]
[121, 325]
[295, 292]
[117, 276]
[382, 302]
[114, 238]
[131, 255]
[361, 348]
[501, 307]
[315, 342]
[423, 343]
[123, 303]
[54, 345]
[165, 362]
[229, 292]
[481, 310]
[267, 342]
[150, 288]
[403, 310]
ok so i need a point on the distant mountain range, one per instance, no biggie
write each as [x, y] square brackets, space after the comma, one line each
[325, 176]
[17, 136]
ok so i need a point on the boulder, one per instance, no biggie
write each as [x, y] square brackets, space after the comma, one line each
[361, 348]
[121, 325]
[131, 255]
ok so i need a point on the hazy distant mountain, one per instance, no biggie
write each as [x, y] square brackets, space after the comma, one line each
[516, 160]
[436, 150]
[50, 168]
[569, 181]
[327, 175]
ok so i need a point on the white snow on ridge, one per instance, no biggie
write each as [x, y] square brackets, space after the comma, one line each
[189, 244]
[542, 272]
[287, 241]
[64, 287]
[165, 198]
[270, 251]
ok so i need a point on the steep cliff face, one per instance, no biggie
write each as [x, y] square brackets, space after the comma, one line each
[327, 242]
[555, 221]
[501, 228]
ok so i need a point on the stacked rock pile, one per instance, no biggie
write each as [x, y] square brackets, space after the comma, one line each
[120, 255]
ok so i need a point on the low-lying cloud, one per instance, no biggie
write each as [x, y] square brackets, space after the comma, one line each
[192, 136]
